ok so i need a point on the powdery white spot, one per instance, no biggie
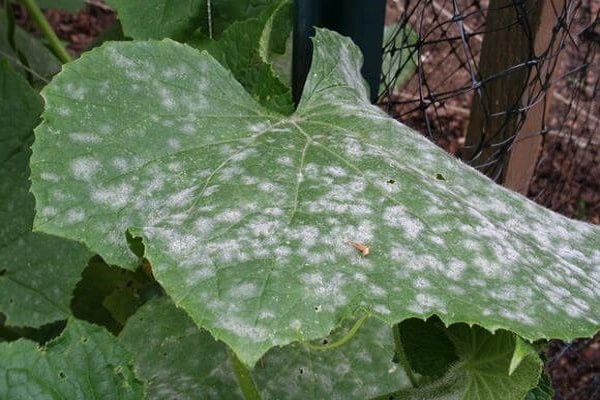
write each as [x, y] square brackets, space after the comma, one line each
[335, 170]
[258, 128]
[377, 291]
[49, 176]
[396, 216]
[75, 215]
[174, 143]
[455, 269]
[296, 324]
[331, 290]
[286, 161]
[266, 314]
[421, 283]
[48, 212]
[63, 111]
[426, 302]
[244, 291]
[115, 197]
[76, 91]
[85, 168]
[200, 274]
[242, 328]
[382, 309]
[166, 98]
[85, 137]
[120, 163]
[188, 129]
[268, 187]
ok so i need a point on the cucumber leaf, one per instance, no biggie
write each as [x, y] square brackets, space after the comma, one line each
[248, 216]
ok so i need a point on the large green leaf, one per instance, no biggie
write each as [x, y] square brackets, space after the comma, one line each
[85, 362]
[178, 360]
[246, 214]
[37, 272]
[482, 371]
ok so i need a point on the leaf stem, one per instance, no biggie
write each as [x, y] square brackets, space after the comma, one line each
[401, 356]
[244, 377]
[343, 340]
[53, 40]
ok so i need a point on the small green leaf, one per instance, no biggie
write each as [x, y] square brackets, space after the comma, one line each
[237, 49]
[158, 19]
[399, 61]
[246, 215]
[85, 362]
[481, 371]
[522, 350]
[37, 272]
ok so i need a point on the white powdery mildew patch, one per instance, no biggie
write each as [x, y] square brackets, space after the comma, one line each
[85, 138]
[75, 215]
[77, 92]
[167, 99]
[382, 309]
[243, 291]
[424, 303]
[330, 291]
[377, 291]
[49, 177]
[115, 196]
[48, 212]
[85, 168]
[174, 143]
[181, 198]
[397, 217]
[285, 161]
[197, 275]
[120, 163]
[455, 269]
[242, 328]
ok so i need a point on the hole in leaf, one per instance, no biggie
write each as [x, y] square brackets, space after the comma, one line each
[84, 340]
[440, 177]
[391, 181]
[324, 342]
[11, 301]
[164, 354]
[62, 375]
[301, 371]
[2, 271]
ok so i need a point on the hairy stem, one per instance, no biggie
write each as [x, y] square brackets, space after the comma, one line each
[54, 42]
[244, 378]
[401, 356]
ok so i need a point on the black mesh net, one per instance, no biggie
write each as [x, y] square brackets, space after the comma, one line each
[509, 86]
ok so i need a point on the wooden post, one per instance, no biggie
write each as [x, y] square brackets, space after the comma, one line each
[510, 106]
